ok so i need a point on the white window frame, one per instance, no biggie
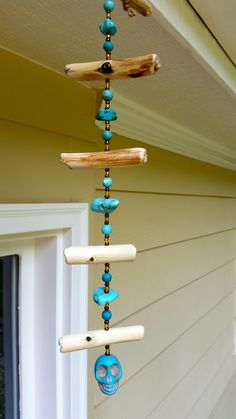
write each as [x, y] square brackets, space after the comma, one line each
[22, 228]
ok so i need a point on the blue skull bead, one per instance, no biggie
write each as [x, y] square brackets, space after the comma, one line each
[108, 372]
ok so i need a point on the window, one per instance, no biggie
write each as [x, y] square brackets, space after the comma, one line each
[9, 353]
[52, 302]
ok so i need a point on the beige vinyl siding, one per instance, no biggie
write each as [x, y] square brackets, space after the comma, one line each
[178, 212]
[180, 287]
[225, 406]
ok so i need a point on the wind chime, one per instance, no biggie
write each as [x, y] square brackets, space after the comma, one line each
[108, 369]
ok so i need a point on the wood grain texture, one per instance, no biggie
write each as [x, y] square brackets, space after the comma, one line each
[143, 7]
[131, 68]
[95, 338]
[101, 160]
[100, 254]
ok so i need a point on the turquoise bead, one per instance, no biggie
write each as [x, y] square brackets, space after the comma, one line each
[101, 297]
[108, 46]
[106, 315]
[107, 182]
[106, 229]
[106, 115]
[108, 27]
[107, 135]
[107, 277]
[109, 5]
[107, 94]
[104, 205]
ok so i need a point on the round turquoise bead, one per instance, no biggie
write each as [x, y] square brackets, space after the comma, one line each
[106, 315]
[107, 277]
[108, 46]
[108, 27]
[106, 229]
[107, 94]
[107, 135]
[107, 182]
[109, 5]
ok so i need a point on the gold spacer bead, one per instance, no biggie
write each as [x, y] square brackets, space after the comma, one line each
[106, 327]
[107, 267]
[108, 351]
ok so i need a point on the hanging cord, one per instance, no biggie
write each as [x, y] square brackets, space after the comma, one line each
[107, 96]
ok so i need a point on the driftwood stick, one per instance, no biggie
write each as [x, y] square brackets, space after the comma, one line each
[101, 160]
[141, 6]
[95, 338]
[115, 69]
[100, 254]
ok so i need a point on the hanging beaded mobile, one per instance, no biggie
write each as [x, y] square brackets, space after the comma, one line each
[108, 369]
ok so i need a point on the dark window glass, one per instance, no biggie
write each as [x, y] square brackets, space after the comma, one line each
[9, 382]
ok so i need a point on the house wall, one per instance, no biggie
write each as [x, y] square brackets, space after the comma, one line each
[178, 212]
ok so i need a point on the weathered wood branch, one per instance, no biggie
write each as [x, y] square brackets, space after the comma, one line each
[141, 6]
[115, 69]
[100, 254]
[95, 338]
[105, 159]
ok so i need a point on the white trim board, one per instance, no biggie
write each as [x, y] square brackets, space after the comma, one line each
[38, 234]
[180, 18]
[141, 124]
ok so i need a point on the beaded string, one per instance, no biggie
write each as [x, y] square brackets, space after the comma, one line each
[108, 370]
[108, 28]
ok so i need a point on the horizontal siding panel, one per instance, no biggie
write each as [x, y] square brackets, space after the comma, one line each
[202, 409]
[179, 402]
[171, 317]
[149, 221]
[45, 99]
[32, 167]
[153, 385]
[161, 271]
[225, 406]
[171, 173]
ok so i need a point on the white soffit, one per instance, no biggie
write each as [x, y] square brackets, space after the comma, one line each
[179, 17]
[220, 18]
[187, 107]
